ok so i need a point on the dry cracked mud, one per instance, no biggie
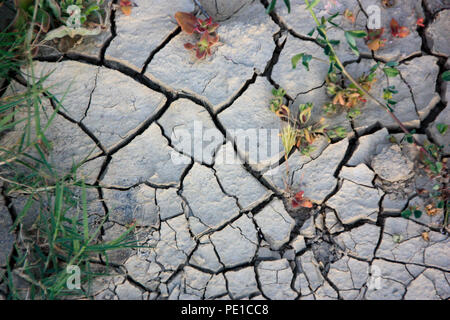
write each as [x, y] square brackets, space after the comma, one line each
[213, 230]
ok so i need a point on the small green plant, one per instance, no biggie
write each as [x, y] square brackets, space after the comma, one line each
[277, 101]
[436, 168]
[300, 130]
[57, 19]
[446, 76]
[307, 131]
[397, 238]
[442, 128]
[348, 97]
[388, 95]
[410, 211]
[288, 138]
[205, 28]
[51, 13]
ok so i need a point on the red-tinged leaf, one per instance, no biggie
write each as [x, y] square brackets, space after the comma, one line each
[126, 10]
[397, 30]
[187, 21]
[375, 33]
[126, 6]
[394, 26]
[213, 38]
[299, 196]
[189, 46]
[349, 16]
[205, 26]
[373, 40]
[204, 41]
[213, 27]
[201, 53]
[306, 204]
[420, 22]
[375, 45]
[199, 29]
[403, 32]
[203, 46]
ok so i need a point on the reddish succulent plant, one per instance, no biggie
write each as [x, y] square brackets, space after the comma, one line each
[205, 28]
[202, 47]
[207, 25]
[300, 201]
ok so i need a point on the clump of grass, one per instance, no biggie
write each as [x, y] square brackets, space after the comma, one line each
[63, 235]
[11, 50]
[301, 130]
[59, 241]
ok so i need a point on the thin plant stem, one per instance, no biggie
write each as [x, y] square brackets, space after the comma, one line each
[349, 77]
[371, 97]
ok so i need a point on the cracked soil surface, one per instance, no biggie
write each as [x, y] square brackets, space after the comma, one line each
[213, 230]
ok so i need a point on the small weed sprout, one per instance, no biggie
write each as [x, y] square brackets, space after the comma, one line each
[301, 131]
[206, 29]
